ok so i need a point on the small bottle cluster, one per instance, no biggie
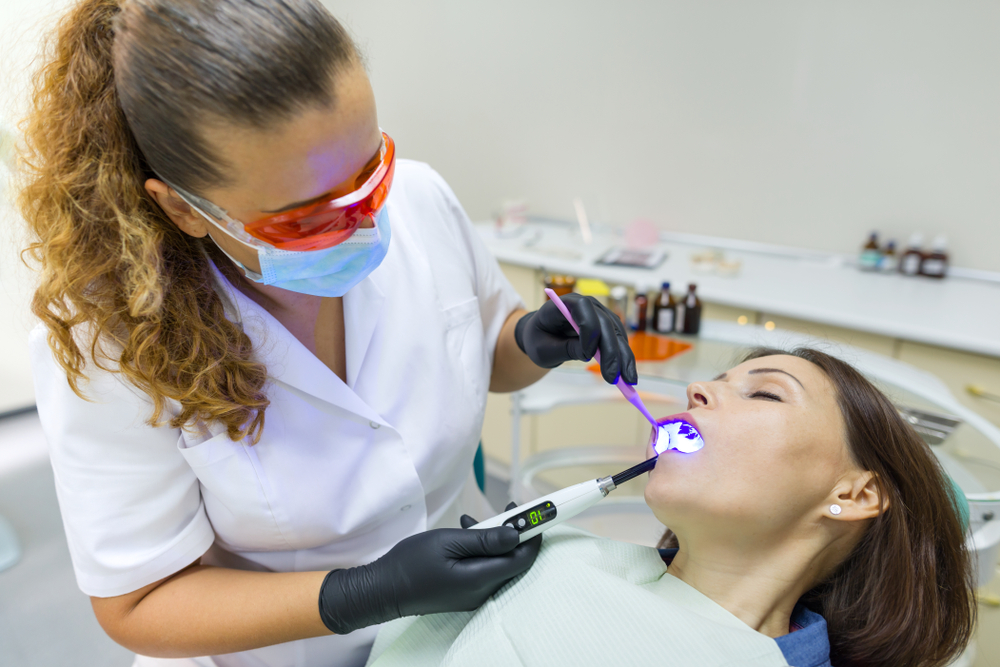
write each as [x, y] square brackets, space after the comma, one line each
[913, 261]
[656, 311]
[660, 312]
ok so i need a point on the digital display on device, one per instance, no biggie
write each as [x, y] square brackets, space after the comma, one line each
[533, 517]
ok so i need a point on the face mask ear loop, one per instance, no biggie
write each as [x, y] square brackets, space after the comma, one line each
[249, 273]
[187, 198]
[222, 229]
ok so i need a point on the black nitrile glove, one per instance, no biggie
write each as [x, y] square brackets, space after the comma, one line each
[532, 545]
[549, 339]
[447, 569]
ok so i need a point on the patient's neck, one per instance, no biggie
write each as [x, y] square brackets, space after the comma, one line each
[758, 584]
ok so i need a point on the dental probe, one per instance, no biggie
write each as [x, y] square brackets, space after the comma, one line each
[541, 514]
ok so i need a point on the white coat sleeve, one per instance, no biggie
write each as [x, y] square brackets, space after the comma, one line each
[131, 505]
[497, 297]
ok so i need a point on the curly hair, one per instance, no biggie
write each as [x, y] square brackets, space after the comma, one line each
[119, 99]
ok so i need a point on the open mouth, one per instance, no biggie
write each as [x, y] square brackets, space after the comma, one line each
[679, 432]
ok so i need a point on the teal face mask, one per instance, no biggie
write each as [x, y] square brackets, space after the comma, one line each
[327, 272]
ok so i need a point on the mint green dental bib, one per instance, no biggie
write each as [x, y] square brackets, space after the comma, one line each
[586, 601]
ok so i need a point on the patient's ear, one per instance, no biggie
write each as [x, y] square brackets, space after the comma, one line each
[858, 497]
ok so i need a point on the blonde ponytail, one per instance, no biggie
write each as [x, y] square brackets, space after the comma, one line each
[111, 264]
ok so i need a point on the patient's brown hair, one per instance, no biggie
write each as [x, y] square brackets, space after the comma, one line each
[905, 596]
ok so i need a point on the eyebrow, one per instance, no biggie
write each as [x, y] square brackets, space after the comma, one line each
[306, 202]
[756, 371]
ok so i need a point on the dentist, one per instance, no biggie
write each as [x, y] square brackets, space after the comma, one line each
[265, 342]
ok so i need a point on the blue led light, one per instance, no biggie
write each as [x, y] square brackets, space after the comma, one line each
[679, 435]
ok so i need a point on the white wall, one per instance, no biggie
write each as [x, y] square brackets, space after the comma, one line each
[21, 23]
[797, 122]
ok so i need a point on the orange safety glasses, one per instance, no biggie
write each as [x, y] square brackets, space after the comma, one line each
[329, 222]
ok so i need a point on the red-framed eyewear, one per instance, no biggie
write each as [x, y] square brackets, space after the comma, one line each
[328, 222]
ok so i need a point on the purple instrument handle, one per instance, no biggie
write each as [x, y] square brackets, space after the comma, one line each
[627, 390]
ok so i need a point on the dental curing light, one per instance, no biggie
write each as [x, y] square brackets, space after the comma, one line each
[627, 390]
[675, 433]
[542, 513]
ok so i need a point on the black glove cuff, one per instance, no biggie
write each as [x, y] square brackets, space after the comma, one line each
[348, 601]
[330, 612]
[519, 330]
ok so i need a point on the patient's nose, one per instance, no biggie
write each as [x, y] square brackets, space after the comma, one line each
[699, 396]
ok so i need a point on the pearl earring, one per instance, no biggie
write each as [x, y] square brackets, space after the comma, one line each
[835, 509]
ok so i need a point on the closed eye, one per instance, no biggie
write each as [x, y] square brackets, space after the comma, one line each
[766, 394]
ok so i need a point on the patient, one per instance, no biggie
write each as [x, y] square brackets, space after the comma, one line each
[814, 527]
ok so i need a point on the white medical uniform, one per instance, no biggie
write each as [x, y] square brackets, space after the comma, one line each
[343, 471]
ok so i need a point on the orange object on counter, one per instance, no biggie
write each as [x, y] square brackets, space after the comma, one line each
[651, 347]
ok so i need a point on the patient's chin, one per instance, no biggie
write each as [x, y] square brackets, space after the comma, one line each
[665, 507]
[673, 506]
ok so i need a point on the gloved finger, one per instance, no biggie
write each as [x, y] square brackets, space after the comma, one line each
[628, 370]
[626, 357]
[468, 522]
[550, 319]
[625, 354]
[506, 567]
[477, 543]
[584, 311]
[529, 550]
[611, 361]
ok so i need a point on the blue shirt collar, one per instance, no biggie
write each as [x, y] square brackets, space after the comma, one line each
[809, 646]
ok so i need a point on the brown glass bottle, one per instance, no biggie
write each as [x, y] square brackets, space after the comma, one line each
[870, 254]
[664, 311]
[641, 310]
[935, 263]
[692, 311]
[910, 261]
[890, 260]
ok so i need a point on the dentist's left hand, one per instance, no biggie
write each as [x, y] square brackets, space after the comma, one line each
[549, 339]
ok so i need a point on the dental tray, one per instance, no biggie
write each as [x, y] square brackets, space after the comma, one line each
[642, 259]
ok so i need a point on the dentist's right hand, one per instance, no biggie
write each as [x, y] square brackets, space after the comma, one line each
[436, 571]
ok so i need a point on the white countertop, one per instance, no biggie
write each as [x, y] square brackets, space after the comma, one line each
[954, 312]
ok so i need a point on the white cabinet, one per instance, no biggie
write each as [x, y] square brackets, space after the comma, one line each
[957, 369]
